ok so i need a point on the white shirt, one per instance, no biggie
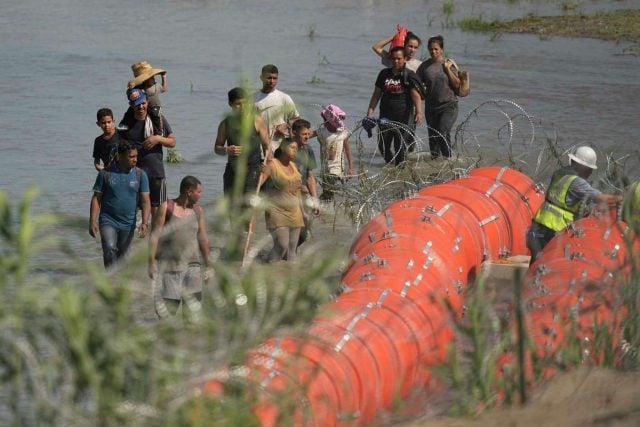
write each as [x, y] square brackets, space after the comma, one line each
[275, 108]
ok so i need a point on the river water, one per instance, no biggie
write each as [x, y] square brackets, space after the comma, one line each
[63, 60]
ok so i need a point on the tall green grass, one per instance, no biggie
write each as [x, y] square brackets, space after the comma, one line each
[80, 349]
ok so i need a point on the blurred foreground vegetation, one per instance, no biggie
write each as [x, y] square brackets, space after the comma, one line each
[86, 348]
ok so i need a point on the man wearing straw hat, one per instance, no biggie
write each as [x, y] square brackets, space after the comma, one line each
[566, 197]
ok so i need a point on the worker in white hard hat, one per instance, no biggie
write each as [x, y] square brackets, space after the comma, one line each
[567, 193]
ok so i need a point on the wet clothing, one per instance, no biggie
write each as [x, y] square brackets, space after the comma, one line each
[176, 285]
[120, 196]
[105, 150]
[305, 161]
[284, 197]
[440, 108]
[115, 243]
[151, 161]
[178, 254]
[253, 155]
[275, 108]
[332, 151]
[396, 105]
[118, 204]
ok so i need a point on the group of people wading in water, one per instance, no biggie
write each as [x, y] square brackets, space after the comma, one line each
[268, 151]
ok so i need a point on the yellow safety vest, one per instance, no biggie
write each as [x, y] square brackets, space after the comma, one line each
[631, 205]
[554, 213]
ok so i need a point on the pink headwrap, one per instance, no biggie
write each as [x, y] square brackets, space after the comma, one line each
[333, 115]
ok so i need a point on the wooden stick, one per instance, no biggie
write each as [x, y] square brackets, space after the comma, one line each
[252, 223]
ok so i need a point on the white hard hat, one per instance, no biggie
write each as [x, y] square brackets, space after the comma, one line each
[586, 156]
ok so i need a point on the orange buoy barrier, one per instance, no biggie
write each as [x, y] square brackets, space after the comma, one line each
[573, 289]
[489, 216]
[401, 294]
[531, 194]
[516, 213]
[419, 213]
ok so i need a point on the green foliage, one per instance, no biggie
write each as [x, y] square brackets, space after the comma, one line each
[315, 80]
[79, 348]
[311, 31]
[472, 371]
[448, 9]
[477, 24]
[173, 156]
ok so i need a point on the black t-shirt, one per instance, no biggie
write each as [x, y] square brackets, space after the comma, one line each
[105, 149]
[150, 161]
[395, 103]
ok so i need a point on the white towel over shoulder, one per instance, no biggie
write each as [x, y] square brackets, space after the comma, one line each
[148, 127]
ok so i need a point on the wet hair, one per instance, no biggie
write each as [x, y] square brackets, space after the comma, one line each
[189, 182]
[269, 69]
[283, 144]
[398, 49]
[236, 93]
[411, 36]
[104, 112]
[436, 39]
[300, 124]
[125, 147]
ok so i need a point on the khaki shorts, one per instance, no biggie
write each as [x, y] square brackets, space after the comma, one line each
[177, 284]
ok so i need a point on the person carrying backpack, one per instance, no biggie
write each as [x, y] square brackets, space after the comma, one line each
[117, 192]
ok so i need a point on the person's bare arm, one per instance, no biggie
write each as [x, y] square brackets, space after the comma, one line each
[312, 184]
[168, 141]
[266, 173]
[378, 47]
[146, 214]
[609, 199]
[94, 211]
[154, 238]
[221, 138]
[347, 151]
[163, 78]
[454, 80]
[373, 103]
[261, 127]
[203, 239]
[417, 102]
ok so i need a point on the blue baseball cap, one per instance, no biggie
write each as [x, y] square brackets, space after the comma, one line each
[136, 96]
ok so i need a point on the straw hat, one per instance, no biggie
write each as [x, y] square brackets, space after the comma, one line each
[142, 71]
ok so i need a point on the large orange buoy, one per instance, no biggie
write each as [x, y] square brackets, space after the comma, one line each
[531, 194]
[516, 213]
[574, 287]
[401, 296]
[497, 237]
[396, 337]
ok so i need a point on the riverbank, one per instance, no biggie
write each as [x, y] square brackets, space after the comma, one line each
[617, 26]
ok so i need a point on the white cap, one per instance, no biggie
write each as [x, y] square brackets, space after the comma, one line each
[585, 156]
